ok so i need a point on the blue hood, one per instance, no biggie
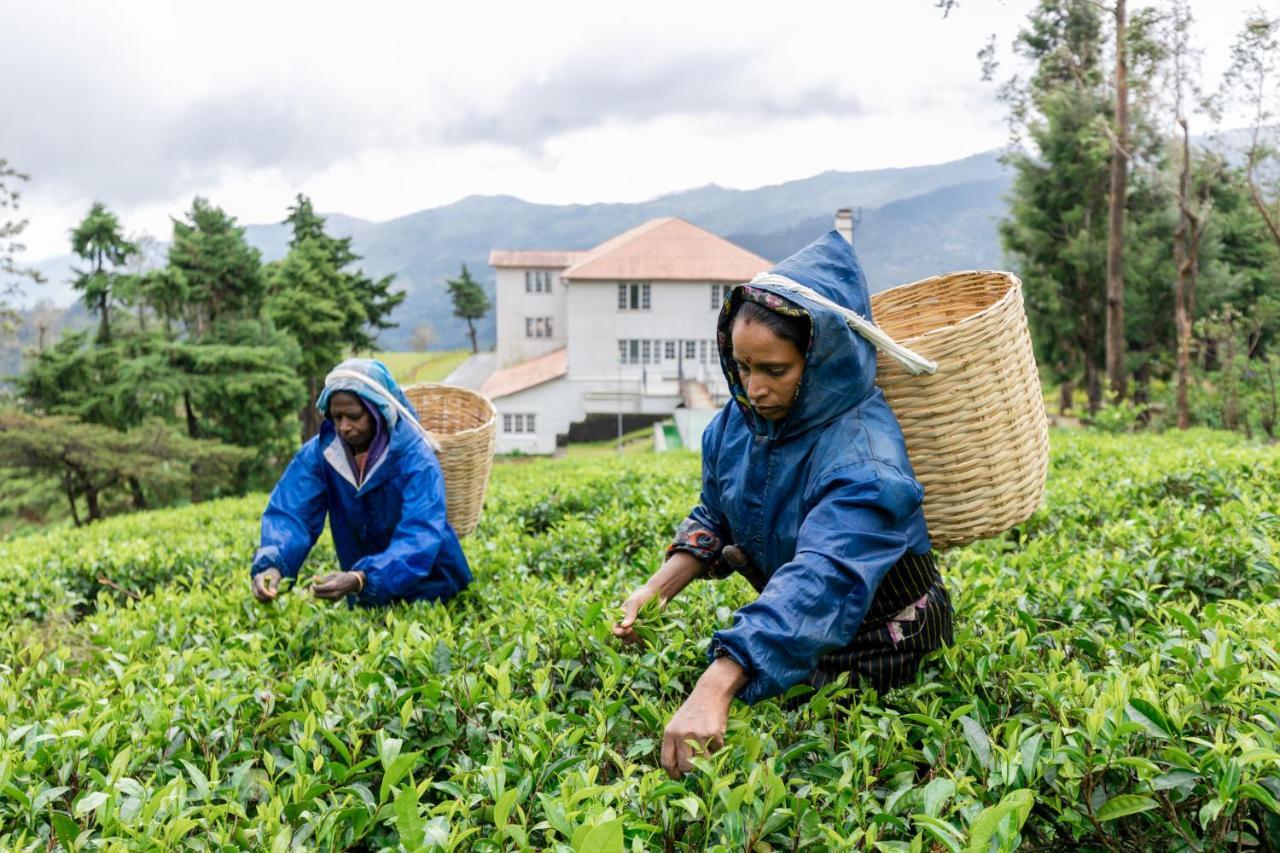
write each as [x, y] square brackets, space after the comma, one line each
[374, 371]
[840, 365]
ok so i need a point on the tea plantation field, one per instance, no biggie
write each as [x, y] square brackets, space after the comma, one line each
[1114, 683]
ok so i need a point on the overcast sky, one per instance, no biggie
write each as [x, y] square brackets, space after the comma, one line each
[380, 109]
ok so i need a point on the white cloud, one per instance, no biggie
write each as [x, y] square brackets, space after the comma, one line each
[385, 108]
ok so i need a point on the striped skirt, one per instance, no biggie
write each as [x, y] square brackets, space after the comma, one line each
[909, 617]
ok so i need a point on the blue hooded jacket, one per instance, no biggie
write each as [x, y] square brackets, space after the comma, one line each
[824, 502]
[392, 527]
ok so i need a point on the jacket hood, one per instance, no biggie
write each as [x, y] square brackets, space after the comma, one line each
[840, 364]
[370, 380]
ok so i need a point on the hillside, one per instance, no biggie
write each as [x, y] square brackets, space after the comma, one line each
[904, 210]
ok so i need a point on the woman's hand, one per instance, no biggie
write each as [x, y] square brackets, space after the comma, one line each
[338, 584]
[624, 629]
[675, 574]
[698, 727]
[266, 585]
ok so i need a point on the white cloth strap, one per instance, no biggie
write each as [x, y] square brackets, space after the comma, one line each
[382, 392]
[912, 361]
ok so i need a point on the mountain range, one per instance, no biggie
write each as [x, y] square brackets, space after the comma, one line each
[914, 222]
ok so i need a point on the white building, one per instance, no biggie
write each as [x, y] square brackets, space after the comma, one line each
[625, 328]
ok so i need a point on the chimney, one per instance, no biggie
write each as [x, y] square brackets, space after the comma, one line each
[844, 223]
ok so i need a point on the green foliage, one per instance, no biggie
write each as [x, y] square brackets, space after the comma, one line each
[213, 273]
[1112, 684]
[101, 466]
[469, 301]
[12, 274]
[328, 309]
[99, 239]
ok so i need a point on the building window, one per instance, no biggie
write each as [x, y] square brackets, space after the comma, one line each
[669, 350]
[690, 349]
[719, 293]
[518, 424]
[537, 281]
[639, 352]
[633, 296]
[537, 327]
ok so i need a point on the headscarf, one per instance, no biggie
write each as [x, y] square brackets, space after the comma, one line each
[370, 380]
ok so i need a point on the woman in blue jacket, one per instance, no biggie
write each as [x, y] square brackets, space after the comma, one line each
[372, 469]
[808, 493]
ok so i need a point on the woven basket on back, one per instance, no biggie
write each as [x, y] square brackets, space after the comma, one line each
[465, 424]
[976, 430]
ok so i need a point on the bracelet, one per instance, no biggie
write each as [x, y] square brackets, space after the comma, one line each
[360, 578]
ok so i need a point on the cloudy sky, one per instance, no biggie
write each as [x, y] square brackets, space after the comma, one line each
[378, 109]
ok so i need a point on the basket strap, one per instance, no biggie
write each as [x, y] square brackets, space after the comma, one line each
[912, 361]
[382, 392]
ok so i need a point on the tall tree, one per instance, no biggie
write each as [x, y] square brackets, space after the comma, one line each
[1057, 214]
[329, 308]
[216, 271]
[1118, 196]
[99, 240]
[12, 273]
[374, 298]
[1253, 81]
[469, 302]
[309, 302]
[1194, 205]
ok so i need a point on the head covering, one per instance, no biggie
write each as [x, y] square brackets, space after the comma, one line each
[824, 283]
[370, 380]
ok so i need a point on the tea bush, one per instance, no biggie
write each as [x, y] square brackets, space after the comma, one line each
[1113, 685]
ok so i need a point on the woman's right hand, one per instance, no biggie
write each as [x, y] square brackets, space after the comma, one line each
[624, 629]
[266, 585]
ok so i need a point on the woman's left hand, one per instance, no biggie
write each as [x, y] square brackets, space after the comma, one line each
[699, 726]
[336, 585]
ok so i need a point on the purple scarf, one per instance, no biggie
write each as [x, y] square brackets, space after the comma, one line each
[376, 447]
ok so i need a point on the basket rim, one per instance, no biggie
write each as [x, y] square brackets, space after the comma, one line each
[490, 409]
[974, 317]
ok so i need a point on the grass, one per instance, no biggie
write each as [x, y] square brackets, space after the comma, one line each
[431, 366]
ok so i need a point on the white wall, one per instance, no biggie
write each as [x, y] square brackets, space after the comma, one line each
[514, 305]
[679, 311]
[555, 404]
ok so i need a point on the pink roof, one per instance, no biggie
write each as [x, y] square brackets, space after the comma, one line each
[526, 374]
[533, 258]
[668, 249]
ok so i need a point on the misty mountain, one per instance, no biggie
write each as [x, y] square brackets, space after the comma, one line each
[915, 222]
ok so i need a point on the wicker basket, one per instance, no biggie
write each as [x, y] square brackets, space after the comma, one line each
[976, 430]
[465, 424]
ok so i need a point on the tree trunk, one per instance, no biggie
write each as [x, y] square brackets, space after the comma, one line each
[104, 328]
[1231, 401]
[193, 428]
[1269, 415]
[1093, 385]
[91, 499]
[1066, 394]
[1181, 258]
[310, 414]
[471, 330]
[1115, 219]
[139, 499]
[71, 499]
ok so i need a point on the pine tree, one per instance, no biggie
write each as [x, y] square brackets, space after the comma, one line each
[469, 302]
[99, 239]
[218, 274]
[328, 308]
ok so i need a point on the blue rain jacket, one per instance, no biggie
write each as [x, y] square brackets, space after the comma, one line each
[825, 501]
[393, 527]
